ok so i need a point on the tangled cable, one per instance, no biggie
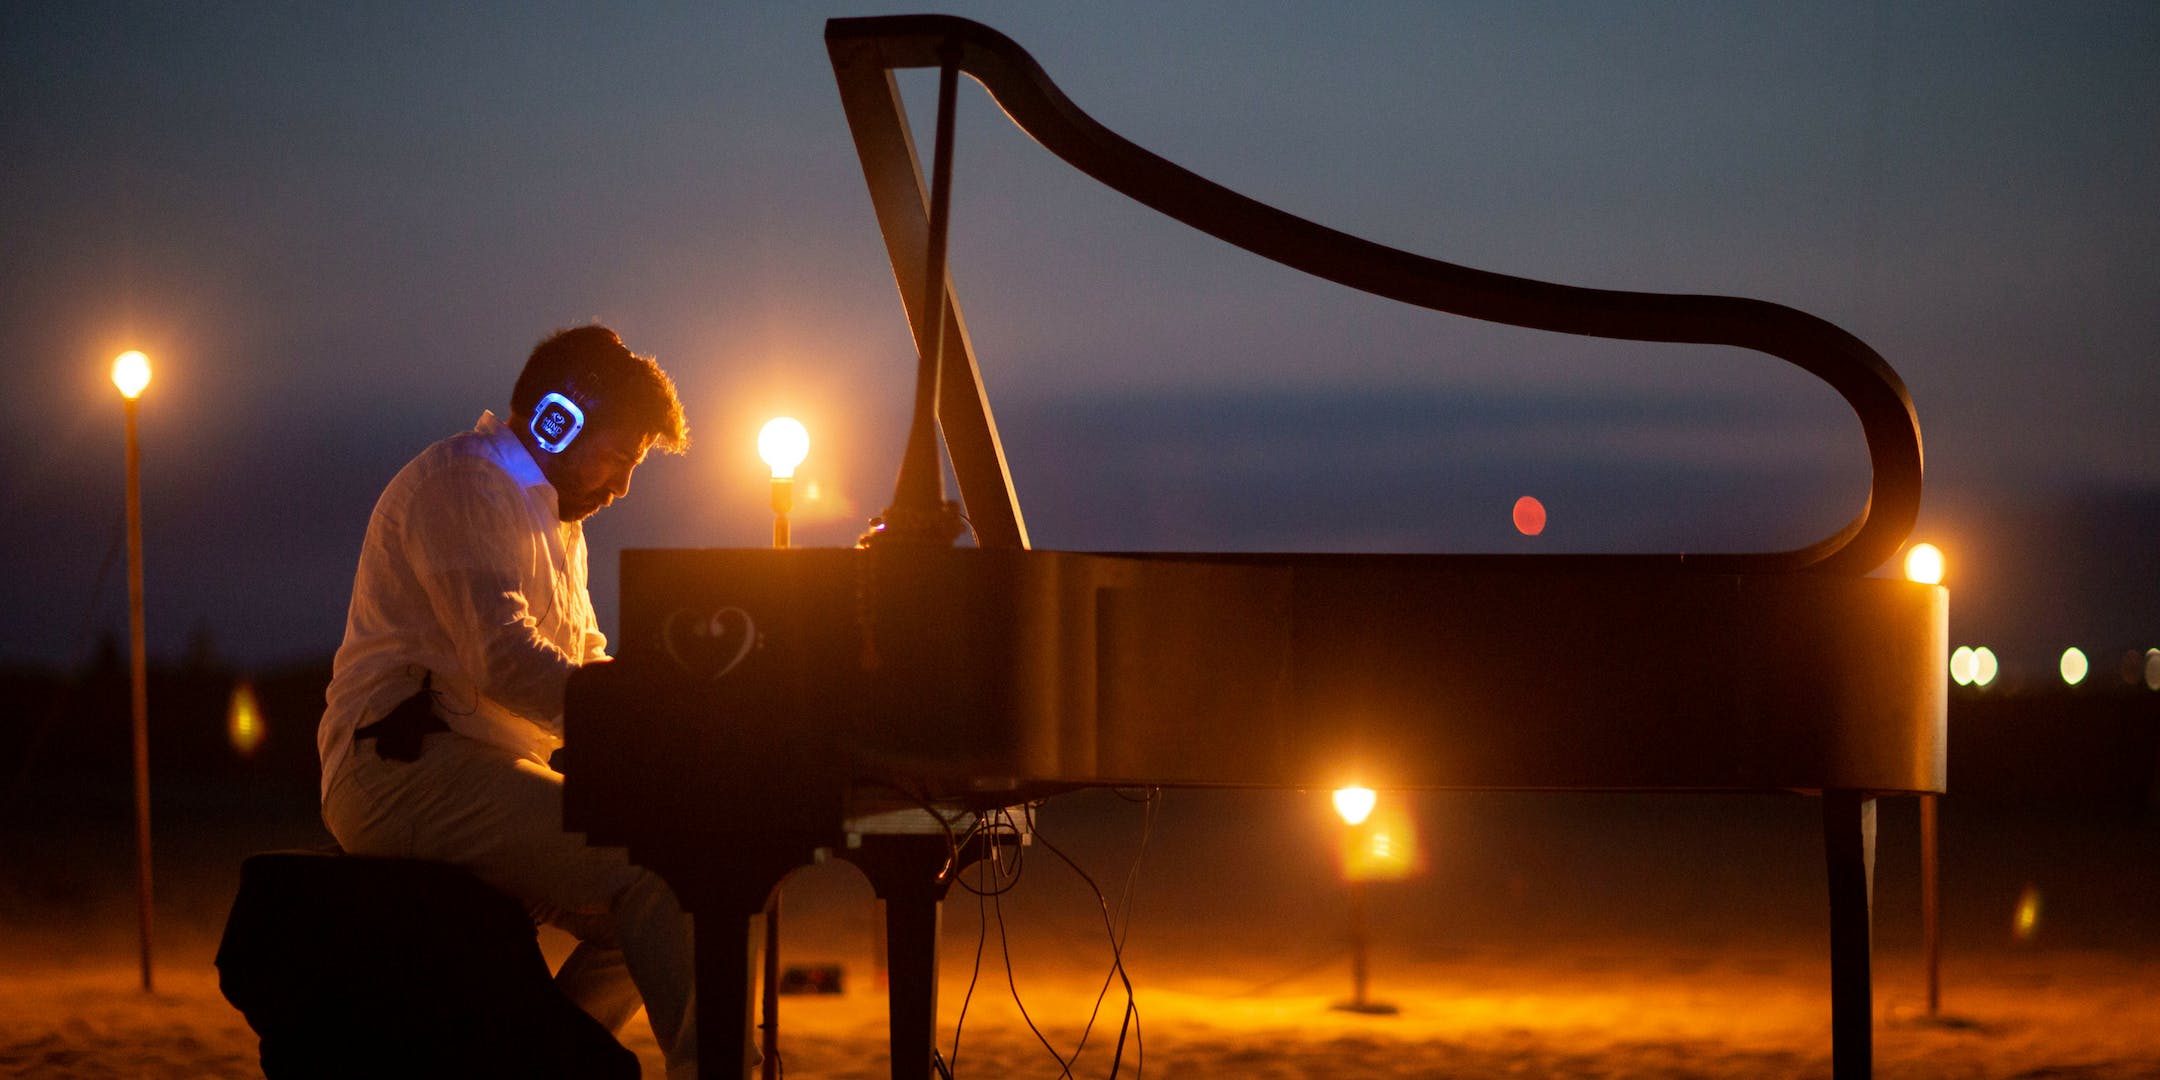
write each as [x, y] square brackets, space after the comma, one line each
[997, 841]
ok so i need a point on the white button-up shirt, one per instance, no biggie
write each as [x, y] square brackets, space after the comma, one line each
[467, 572]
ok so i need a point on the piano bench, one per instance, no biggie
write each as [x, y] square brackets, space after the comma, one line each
[352, 966]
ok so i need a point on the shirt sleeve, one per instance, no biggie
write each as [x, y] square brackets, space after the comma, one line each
[468, 538]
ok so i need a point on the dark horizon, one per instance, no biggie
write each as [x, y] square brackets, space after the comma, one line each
[2028, 578]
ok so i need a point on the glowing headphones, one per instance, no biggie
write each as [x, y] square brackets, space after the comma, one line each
[556, 420]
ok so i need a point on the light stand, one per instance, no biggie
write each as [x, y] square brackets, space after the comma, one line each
[1924, 564]
[1355, 804]
[131, 373]
[783, 443]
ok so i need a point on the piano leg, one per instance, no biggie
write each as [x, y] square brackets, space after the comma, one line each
[723, 992]
[1849, 843]
[903, 872]
[722, 913]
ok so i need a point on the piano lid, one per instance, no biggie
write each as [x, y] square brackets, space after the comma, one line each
[865, 52]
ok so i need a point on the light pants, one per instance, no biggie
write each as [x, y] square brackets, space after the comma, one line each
[499, 816]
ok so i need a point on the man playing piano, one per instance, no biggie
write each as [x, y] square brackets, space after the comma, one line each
[469, 612]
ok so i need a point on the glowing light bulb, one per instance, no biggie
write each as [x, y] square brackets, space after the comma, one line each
[2074, 665]
[1355, 804]
[783, 443]
[1924, 564]
[131, 372]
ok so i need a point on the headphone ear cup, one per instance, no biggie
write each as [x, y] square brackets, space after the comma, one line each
[556, 421]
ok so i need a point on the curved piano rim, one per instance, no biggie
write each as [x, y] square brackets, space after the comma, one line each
[865, 51]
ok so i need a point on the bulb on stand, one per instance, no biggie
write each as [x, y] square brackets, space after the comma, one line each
[783, 443]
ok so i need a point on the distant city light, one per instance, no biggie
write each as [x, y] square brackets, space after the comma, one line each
[1961, 666]
[131, 372]
[244, 720]
[1355, 804]
[1924, 564]
[2074, 665]
[1529, 516]
[2025, 923]
[1984, 666]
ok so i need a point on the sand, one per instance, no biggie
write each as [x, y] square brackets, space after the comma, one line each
[1571, 936]
[1617, 1015]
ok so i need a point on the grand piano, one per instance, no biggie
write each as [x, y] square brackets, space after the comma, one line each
[764, 702]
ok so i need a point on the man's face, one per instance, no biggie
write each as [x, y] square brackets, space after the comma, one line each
[594, 470]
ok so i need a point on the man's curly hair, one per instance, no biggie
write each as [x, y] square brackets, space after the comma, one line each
[616, 387]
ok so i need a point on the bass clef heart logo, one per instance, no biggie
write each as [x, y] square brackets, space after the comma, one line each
[708, 644]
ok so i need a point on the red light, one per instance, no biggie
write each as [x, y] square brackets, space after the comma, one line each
[1529, 516]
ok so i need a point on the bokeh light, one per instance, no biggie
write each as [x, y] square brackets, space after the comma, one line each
[1984, 666]
[244, 720]
[1961, 666]
[1384, 848]
[1529, 516]
[2152, 669]
[2025, 921]
[2074, 666]
[1924, 564]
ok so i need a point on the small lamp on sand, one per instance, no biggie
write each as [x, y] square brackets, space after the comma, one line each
[1369, 850]
[131, 373]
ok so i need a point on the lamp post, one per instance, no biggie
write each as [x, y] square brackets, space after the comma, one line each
[1924, 564]
[131, 373]
[783, 443]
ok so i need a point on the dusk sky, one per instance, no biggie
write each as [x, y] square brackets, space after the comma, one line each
[338, 230]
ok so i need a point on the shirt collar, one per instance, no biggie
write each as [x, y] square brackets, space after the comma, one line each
[510, 453]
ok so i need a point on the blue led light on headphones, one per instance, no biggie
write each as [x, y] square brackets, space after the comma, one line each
[556, 421]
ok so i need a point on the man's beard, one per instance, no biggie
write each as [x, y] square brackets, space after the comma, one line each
[573, 510]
